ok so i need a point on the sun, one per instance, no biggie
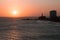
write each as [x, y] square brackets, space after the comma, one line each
[14, 12]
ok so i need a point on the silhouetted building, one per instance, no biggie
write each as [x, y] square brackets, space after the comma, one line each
[53, 14]
[42, 17]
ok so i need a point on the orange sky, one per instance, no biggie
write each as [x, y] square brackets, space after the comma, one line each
[28, 7]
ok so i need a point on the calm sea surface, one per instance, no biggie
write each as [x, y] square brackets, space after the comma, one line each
[29, 30]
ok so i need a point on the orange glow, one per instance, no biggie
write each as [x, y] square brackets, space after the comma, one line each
[14, 12]
[22, 8]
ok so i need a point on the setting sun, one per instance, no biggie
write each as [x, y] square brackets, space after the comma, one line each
[14, 12]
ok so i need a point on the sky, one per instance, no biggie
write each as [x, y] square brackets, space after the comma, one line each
[28, 7]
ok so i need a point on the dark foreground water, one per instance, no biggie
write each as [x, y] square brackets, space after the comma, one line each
[29, 30]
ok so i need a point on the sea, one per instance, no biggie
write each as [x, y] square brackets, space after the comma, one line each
[17, 29]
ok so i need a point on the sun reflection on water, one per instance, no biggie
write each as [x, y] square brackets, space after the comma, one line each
[14, 35]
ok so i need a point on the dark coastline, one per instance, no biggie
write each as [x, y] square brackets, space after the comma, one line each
[43, 19]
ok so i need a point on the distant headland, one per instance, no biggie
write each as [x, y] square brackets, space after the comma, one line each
[52, 17]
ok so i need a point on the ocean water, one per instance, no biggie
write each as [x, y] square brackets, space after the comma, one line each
[29, 30]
